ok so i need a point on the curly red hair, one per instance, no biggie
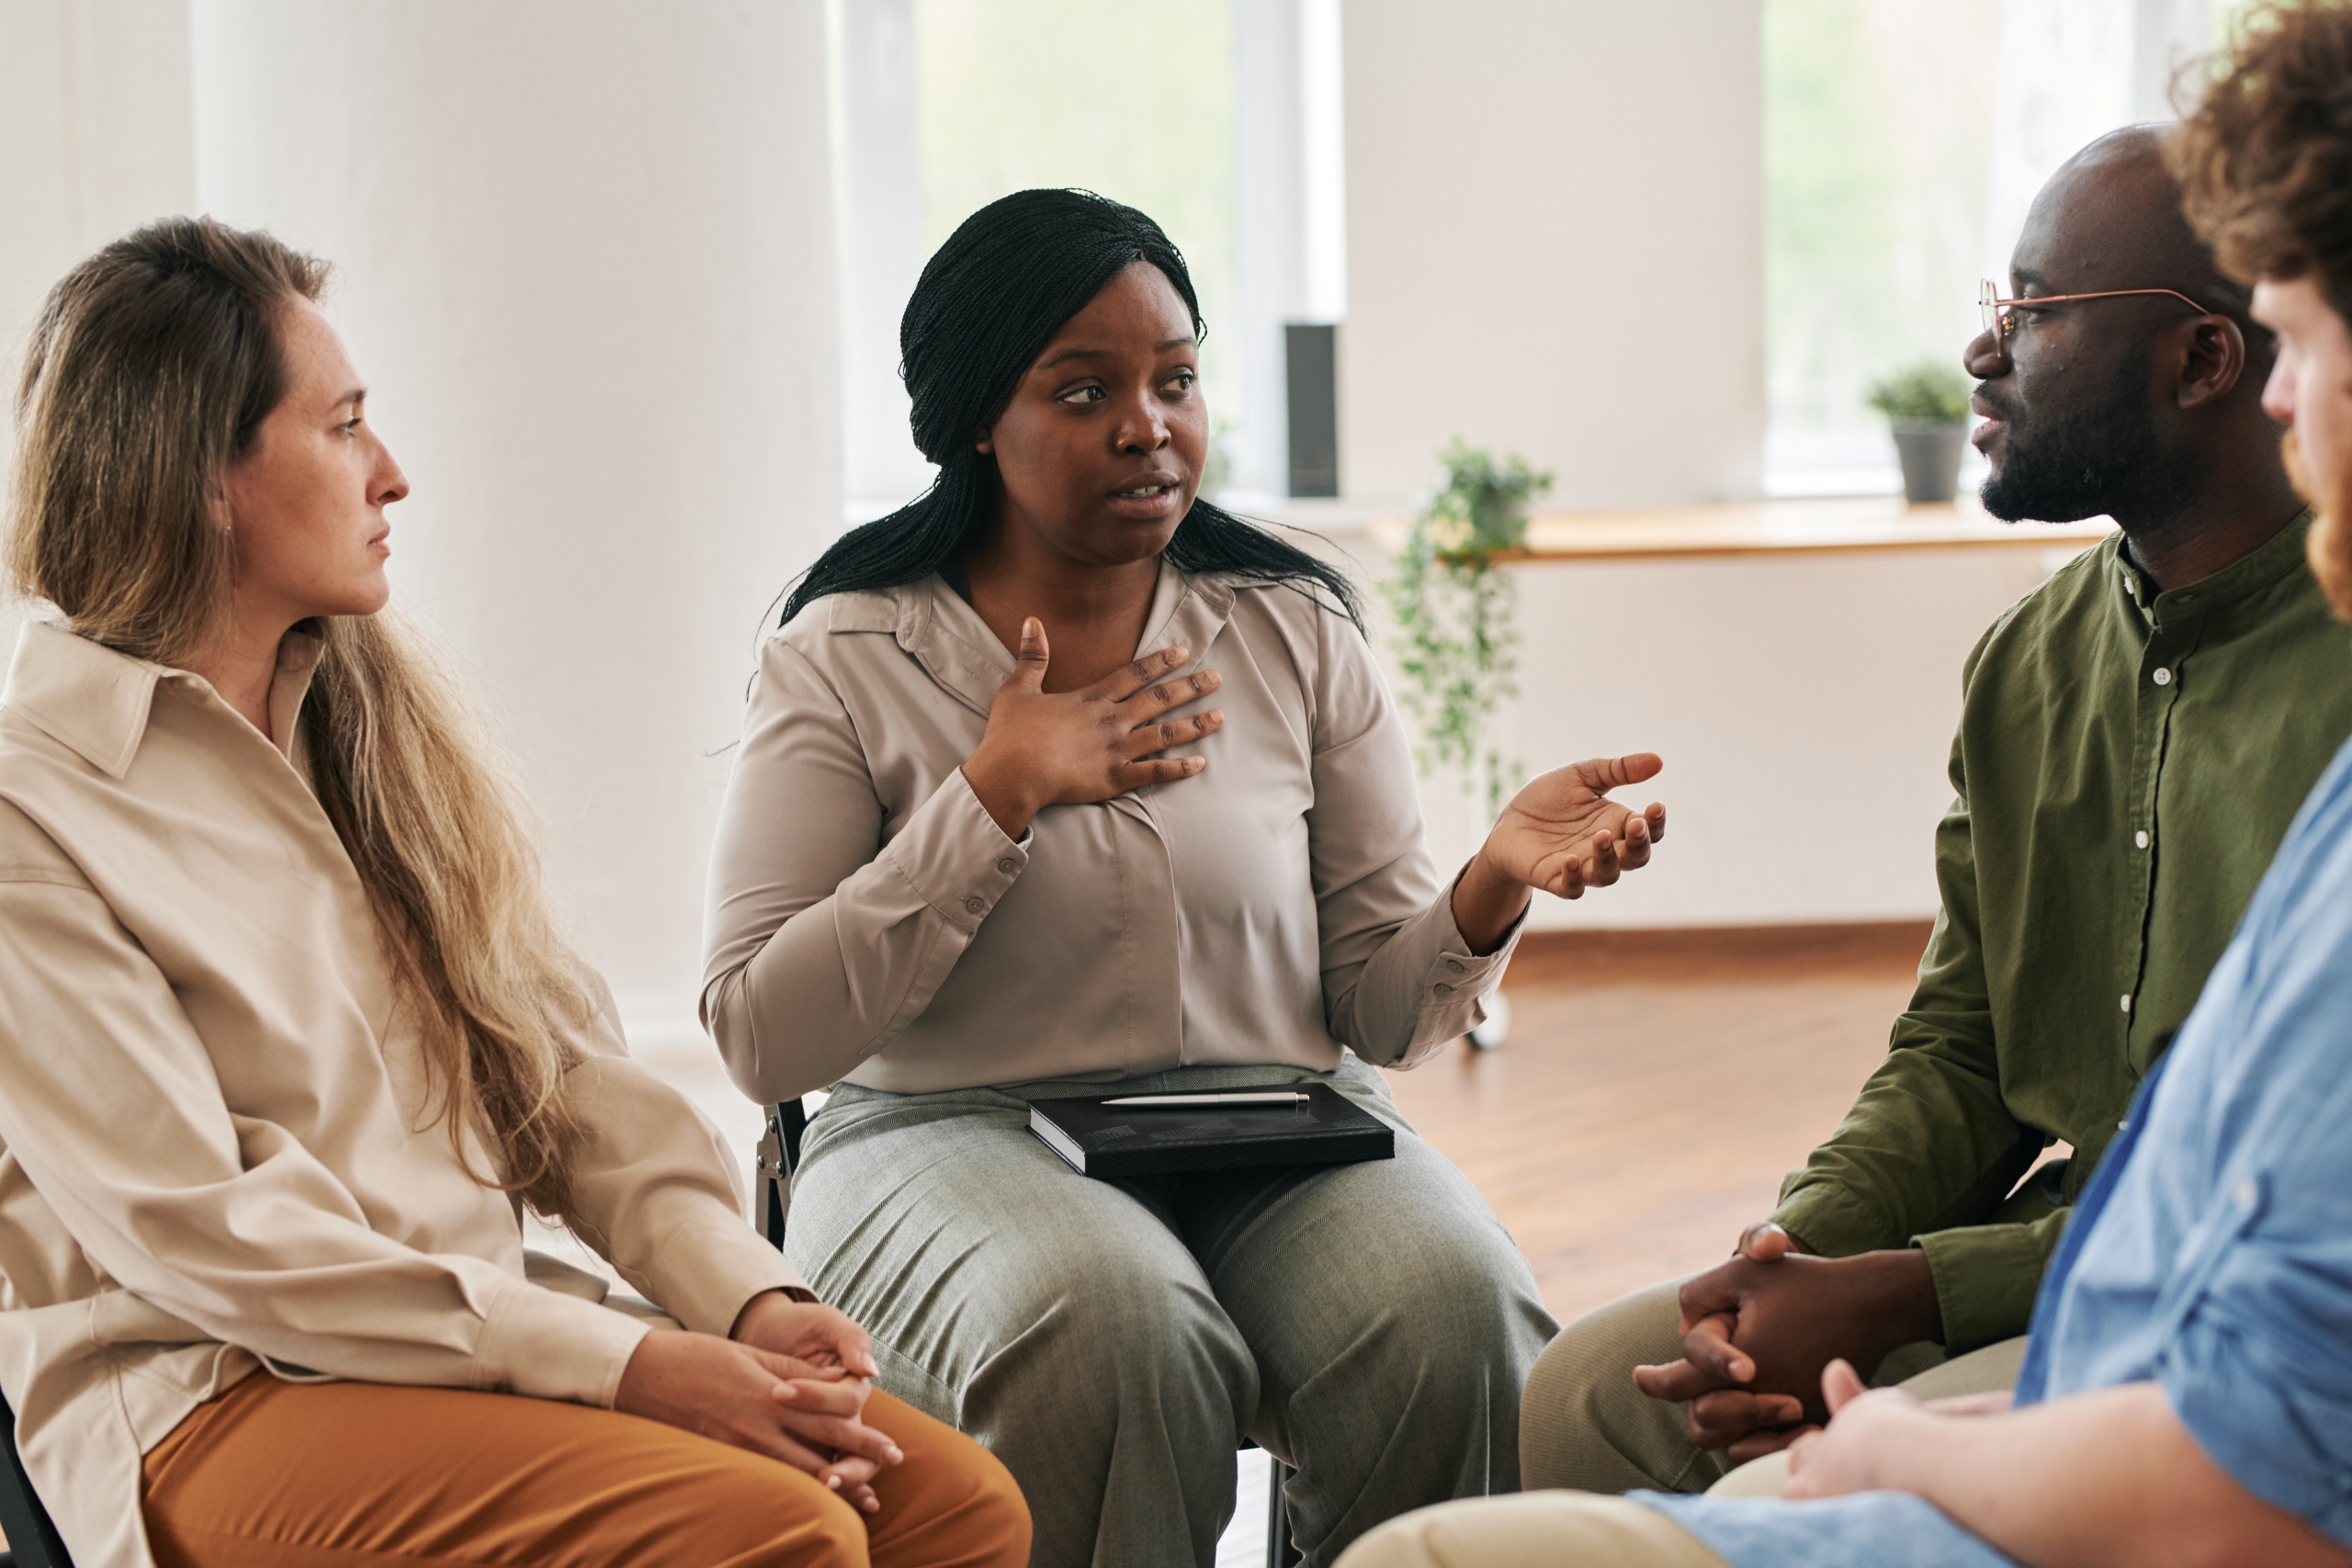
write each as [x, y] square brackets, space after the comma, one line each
[2264, 161]
[2265, 164]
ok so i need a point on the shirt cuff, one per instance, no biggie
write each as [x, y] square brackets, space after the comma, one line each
[1986, 1278]
[1828, 1222]
[548, 1345]
[2270, 1437]
[952, 854]
[1455, 968]
[705, 1274]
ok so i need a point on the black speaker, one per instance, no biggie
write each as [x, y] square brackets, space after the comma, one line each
[1310, 363]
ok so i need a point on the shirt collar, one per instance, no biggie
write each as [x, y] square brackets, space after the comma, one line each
[2260, 568]
[95, 702]
[948, 638]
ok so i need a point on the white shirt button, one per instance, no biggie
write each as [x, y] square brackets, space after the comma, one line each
[2163, 677]
[2140, 838]
[2127, 1002]
[2247, 1192]
[1009, 865]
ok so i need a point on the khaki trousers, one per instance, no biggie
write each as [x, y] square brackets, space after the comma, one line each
[304, 1475]
[1553, 1529]
[1584, 1424]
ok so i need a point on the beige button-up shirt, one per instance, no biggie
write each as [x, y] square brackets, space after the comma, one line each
[219, 1151]
[868, 920]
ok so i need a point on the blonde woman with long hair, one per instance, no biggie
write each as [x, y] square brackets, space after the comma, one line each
[288, 1040]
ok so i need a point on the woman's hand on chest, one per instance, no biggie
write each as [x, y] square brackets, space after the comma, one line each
[1047, 749]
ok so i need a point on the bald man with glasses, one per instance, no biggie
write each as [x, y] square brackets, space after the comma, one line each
[2126, 765]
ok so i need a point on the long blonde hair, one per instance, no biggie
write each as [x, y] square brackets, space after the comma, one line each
[150, 370]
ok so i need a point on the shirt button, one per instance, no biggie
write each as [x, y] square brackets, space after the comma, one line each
[2163, 677]
[2140, 838]
[2127, 1002]
[2247, 1192]
[974, 905]
[1009, 865]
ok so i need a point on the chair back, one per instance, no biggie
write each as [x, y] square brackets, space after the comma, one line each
[772, 1163]
[32, 1539]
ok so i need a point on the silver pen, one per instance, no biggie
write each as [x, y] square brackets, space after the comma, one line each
[1254, 1097]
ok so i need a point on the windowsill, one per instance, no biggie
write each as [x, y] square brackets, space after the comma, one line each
[1775, 527]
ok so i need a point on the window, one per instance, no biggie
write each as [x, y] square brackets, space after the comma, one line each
[1903, 141]
[1219, 118]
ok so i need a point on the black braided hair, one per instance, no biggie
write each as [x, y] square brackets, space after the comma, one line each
[984, 309]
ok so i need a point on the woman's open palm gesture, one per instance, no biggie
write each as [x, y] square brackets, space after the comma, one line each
[1564, 834]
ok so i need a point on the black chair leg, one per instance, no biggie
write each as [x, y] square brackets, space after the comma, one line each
[34, 1540]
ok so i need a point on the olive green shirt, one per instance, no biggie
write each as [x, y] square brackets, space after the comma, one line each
[2127, 763]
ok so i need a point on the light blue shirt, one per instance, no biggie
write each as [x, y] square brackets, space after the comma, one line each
[2212, 1252]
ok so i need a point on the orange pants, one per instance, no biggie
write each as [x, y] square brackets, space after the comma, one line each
[287, 1475]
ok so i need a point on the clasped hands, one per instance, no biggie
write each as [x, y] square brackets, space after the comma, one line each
[790, 1381]
[1560, 832]
[1761, 1333]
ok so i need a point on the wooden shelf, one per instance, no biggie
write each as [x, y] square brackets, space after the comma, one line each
[1774, 527]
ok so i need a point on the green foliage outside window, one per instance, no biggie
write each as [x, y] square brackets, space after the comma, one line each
[1457, 615]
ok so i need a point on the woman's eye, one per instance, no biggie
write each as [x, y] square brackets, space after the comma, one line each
[349, 425]
[1179, 383]
[1089, 393]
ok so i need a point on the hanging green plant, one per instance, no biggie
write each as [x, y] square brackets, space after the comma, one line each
[1457, 617]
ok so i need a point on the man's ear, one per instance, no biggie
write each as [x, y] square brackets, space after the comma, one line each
[2214, 361]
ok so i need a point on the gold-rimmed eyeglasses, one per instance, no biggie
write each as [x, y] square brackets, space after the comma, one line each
[2001, 315]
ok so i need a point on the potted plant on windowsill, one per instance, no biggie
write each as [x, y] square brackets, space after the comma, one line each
[1928, 406]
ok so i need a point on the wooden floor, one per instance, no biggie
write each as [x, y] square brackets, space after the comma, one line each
[1656, 1086]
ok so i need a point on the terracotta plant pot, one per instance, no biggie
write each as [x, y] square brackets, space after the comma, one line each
[1930, 458]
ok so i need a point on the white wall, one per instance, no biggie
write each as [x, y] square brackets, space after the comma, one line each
[586, 262]
[877, 156]
[1804, 705]
[94, 113]
[1554, 245]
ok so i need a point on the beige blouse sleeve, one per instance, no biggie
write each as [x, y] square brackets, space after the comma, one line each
[225, 1221]
[655, 1190]
[822, 941]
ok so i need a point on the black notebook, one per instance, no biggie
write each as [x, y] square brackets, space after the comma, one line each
[1321, 1128]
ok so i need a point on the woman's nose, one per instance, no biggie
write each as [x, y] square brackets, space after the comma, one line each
[1143, 430]
[391, 484]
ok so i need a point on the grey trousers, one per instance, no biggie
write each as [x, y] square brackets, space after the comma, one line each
[1113, 1343]
[1583, 1424]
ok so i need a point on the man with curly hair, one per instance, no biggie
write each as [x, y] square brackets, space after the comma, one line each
[2188, 1398]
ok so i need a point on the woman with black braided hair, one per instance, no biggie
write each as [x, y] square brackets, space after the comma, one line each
[1060, 778]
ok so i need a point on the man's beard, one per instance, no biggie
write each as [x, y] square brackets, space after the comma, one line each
[2330, 545]
[2088, 462]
